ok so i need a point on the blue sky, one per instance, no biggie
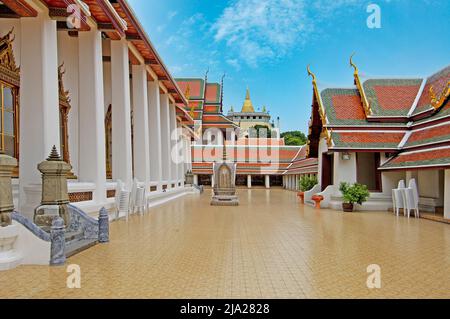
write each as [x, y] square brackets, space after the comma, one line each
[267, 44]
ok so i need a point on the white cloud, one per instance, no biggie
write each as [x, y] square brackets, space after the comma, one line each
[258, 30]
[172, 14]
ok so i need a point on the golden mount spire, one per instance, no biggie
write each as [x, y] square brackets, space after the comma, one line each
[248, 105]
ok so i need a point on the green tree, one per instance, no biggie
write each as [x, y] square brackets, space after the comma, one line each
[294, 138]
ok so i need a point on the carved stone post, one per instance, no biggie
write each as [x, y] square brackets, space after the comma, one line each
[54, 191]
[58, 242]
[7, 164]
[103, 226]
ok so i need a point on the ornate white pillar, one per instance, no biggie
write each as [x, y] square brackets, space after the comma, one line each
[249, 181]
[165, 140]
[92, 157]
[121, 112]
[155, 128]
[141, 134]
[39, 102]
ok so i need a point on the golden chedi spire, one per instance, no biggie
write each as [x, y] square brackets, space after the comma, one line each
[248, 105]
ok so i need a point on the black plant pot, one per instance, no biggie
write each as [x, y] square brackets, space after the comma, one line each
[347, 207]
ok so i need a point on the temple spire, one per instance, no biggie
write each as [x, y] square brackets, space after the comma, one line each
[248, 105]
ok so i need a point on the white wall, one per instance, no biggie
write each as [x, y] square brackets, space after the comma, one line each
[323, 147]
[344, 170]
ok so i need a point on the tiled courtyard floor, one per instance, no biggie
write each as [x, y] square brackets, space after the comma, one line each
[268, 247]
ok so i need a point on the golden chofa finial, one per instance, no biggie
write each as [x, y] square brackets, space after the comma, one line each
[311, 74]
[353, 64]
[187, 93]
[438, 101]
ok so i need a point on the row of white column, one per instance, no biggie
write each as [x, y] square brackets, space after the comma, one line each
[154, 115]
[290, 182]
[249, 180]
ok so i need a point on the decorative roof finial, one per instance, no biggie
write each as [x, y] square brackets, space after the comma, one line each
[311, 74]
[206, 75]
[353, 64]
[54, 155]
[221, 86]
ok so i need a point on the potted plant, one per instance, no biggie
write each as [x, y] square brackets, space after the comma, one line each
[352, 194]
[306, 183]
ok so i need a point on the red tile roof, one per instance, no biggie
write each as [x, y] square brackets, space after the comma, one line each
[360, 140]
[435, 134]
[425, 158]
[437, 81]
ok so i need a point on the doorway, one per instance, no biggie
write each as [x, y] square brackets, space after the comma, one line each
[327, 170]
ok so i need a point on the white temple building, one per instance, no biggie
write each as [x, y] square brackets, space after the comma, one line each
[84, 76]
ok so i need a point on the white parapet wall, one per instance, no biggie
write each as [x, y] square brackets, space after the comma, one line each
[19, 246]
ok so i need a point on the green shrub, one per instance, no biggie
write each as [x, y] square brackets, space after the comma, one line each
[306, 183]
[355, 193]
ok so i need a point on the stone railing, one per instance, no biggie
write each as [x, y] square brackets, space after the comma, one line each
[32, 227]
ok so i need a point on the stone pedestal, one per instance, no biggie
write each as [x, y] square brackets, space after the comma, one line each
[54, 192]
[224, 187]
[7, 164]
[9, 256]
[189, 178]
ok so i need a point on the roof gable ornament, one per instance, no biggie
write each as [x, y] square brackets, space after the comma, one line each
[187, 94]
[325, 132]
[317, 95]
[63, 94]
[10, 71]
[438, 101]
[366, 105]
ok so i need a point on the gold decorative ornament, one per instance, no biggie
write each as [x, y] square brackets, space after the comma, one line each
[438, 101]
[358, 83]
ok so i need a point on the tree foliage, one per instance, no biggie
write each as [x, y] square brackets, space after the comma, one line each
[294, 138]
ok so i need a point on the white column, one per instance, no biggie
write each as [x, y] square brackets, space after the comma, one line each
[154, 121]
[447, 194]
[249, 181]
[196, 180]
[212, 180]
[165, 139]
[141, 134]
[181, 157]
[39, 104]
[121, 112]
[173, 140]
[267, 181]
[92, 157]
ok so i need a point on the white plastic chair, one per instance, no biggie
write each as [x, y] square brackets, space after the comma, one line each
[397, 198]
[138, 198]
[122, 200]
[411, 199]
[141, 200]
